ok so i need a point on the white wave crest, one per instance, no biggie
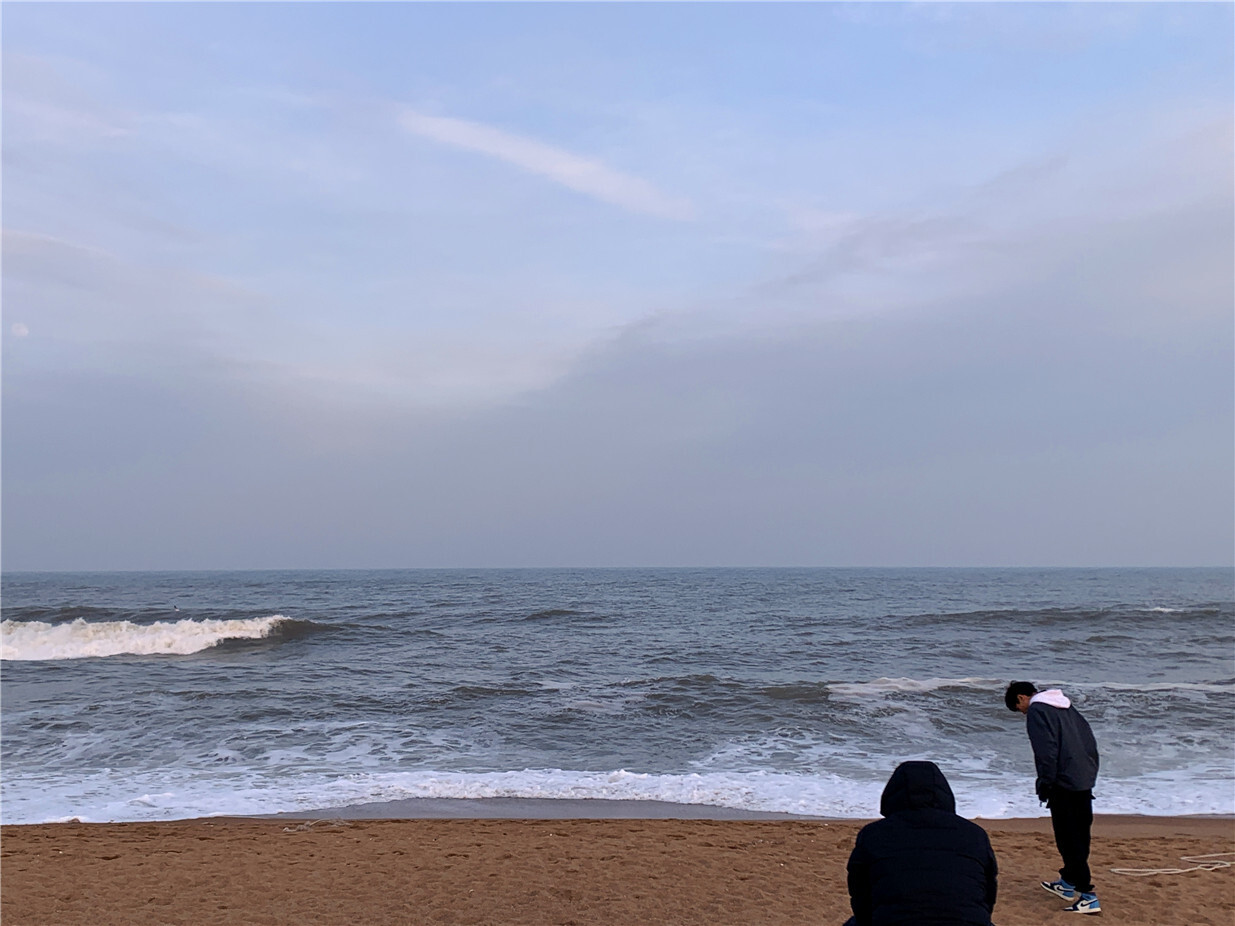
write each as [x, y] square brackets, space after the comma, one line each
[35, 640]
[1216, 687]
[885, 685]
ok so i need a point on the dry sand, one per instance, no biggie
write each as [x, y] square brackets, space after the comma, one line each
[563, 871]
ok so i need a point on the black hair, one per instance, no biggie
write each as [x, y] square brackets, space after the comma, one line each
[1015, 690]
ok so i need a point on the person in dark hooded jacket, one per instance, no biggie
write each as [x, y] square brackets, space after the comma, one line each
[921, 864]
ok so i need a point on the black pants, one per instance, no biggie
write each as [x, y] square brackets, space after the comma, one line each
[1071, 817]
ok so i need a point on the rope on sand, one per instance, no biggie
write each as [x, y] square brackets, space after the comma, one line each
[305, 827]
[1201, 865]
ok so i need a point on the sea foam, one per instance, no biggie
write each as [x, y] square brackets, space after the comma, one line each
[80, 639]
[171, 794]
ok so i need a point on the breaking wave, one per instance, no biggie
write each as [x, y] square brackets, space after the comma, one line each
[81, 639]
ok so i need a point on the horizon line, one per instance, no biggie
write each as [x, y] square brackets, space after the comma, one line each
[714, 568]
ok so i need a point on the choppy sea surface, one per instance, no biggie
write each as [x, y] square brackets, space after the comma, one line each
[149, 696]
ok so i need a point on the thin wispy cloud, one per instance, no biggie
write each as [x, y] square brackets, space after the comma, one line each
[581, 174]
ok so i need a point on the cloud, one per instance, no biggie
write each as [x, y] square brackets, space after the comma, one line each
[105, 311]
[58, 100]
[584, 175]
[109, 311]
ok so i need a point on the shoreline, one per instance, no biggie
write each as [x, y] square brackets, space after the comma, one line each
[534, 808]
[552, 808]
[531, 808]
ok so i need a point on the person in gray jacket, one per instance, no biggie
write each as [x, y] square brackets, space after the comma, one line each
[1066, 756]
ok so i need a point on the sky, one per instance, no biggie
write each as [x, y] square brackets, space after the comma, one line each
[352, 285]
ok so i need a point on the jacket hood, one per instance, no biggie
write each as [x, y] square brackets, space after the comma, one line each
[1052, 696]
[916, 786]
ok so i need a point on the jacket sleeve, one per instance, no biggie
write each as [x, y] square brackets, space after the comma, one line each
[992, 877]
[860, 884]
[1044, 737]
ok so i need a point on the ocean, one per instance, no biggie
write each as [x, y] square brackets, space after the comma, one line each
[156, 696]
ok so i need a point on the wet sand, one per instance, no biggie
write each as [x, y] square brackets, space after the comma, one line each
[588, 866]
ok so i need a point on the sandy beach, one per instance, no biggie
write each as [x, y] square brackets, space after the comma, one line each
[585, 872]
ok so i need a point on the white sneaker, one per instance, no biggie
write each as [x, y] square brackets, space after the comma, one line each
[1086, 903]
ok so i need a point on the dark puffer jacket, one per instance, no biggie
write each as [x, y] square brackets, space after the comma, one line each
[921, 864]
[1064, 749]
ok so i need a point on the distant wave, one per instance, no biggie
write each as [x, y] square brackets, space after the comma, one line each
[81, 639]
[62, 614]
[552, 613]
[1217, 686]
[1053, 616]
[882, 686]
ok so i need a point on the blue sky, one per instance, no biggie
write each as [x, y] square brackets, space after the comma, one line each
[617, 284]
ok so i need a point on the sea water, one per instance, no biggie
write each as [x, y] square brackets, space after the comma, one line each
[131, 696]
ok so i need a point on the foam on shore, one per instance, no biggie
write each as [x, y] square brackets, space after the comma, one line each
[521, 808]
